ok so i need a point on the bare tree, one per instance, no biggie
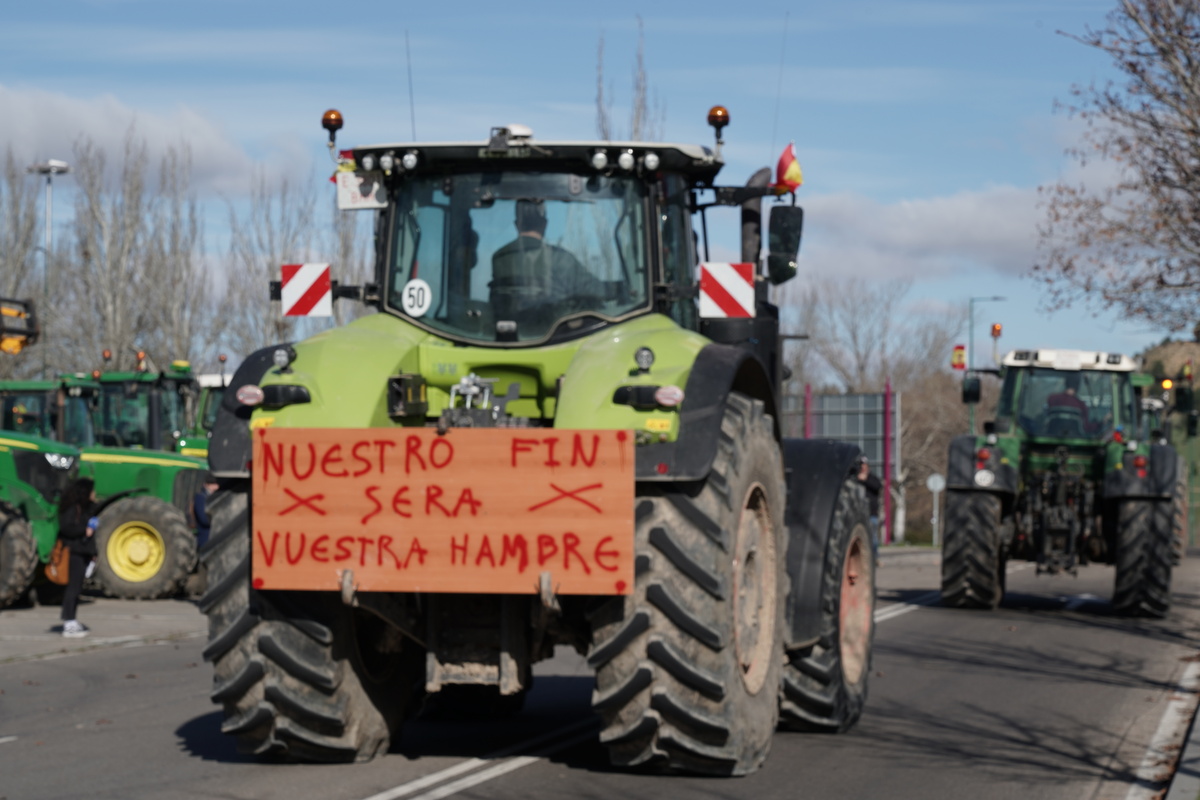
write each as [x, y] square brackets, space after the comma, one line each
[18, 231]
[647, 116]
[179, 323]
[106, 286]
[863, 335]
[854, 329]
[1134, 245]
[277, 230]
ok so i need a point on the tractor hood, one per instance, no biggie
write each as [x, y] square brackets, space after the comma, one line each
[341, 376]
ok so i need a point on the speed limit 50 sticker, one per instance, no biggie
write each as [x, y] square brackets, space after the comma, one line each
[416, 298]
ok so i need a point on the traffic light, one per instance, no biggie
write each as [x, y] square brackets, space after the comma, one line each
[996, 330]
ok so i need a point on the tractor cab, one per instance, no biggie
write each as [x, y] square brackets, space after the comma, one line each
[143, 409]
[60, 409]
[1069, 394]
[521, 243]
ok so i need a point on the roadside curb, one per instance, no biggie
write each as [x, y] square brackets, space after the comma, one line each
[34, 633]
[1185, 783]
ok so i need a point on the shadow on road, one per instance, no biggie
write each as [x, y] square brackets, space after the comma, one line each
[201, 737]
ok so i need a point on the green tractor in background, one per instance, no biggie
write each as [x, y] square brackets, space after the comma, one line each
[126, 426]
[34, 470]
[33, 473]
[1067, 474]
[751, 582]
[211, 388]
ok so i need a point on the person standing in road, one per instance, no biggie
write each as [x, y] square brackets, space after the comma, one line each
[76, 529]
[200, 509]
[874, 487]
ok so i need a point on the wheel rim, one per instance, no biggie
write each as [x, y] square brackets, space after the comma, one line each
[854, 609]
[754, 569]
[136, 551]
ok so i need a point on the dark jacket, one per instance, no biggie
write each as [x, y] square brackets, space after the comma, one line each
[72, 529]
[873, 486]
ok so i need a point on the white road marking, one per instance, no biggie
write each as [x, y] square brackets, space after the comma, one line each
[7, 739]
[896, 609]
[417, 785]
[1156, 767]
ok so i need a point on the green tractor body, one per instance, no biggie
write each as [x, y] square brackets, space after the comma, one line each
[211, 388]
[549, 434]
[33, 473]
[1068, 473]
[147, 547]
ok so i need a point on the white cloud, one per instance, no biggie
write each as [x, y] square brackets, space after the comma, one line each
[850, 235]
[40, 124]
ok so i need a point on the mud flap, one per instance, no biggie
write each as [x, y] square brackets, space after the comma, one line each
[815, 470]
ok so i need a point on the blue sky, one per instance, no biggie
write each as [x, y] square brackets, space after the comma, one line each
[923, 128]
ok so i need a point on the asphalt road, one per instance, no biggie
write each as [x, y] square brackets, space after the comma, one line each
[1048, 697]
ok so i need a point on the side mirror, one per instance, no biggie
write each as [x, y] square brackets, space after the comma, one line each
[783, 242]
[971, 389]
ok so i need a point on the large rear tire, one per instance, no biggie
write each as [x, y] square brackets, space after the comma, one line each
[825, 684]
[300, 675]
[972, 564]
[1179, 513]
[18, 557]
[688, 666]
[1145, 546]
[145, 548]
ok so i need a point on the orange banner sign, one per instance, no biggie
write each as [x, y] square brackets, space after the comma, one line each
[474, 510]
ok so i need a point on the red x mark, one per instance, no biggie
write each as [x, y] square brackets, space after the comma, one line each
[309, 502]
[574, 495]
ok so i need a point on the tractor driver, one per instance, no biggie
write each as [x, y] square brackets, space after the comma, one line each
[532, 278]
[1068, 398]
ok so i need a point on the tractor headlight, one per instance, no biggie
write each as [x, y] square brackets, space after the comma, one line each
[644, 358]
[283, 357]
[60, 461]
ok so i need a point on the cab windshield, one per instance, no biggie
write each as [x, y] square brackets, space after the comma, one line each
[123, 414]
[1080, 404]
[37, 413]
[518, 256]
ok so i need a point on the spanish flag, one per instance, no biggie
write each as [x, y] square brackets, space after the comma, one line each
[788, 177]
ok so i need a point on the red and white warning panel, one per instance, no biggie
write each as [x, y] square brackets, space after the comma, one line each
[306, 290]
[726, 290]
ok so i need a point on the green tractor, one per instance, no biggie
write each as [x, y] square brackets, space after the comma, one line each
[1065, 475]
[33, 473]
[211, 388]
[147, 547]
[548, 435]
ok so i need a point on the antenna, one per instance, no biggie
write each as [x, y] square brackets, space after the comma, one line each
[412, 109]
[779, 86]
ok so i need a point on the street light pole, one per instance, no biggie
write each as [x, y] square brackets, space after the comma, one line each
[971, 346]
[49, 168]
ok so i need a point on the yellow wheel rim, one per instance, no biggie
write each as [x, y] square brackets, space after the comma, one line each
[136, 551]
